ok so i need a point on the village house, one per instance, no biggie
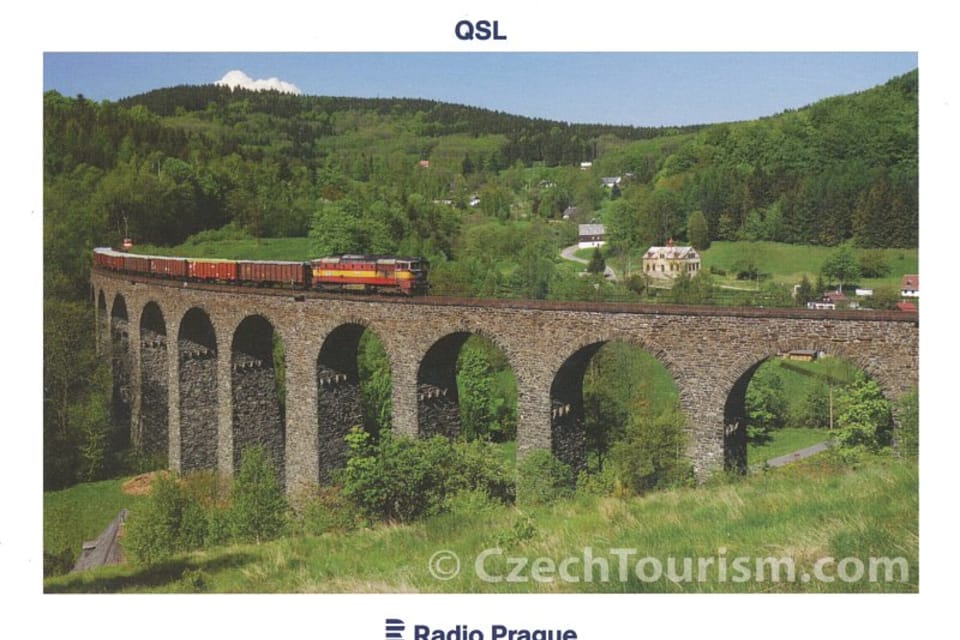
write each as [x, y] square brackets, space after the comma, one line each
[910, 286]
[670, 261]
[591, 235]
[833, 300]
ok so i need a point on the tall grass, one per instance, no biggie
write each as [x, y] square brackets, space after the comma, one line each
[810, 510]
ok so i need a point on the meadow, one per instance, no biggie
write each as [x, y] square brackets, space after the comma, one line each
[813, 509]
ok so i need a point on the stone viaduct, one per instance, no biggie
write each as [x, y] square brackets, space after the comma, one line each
[194, 376]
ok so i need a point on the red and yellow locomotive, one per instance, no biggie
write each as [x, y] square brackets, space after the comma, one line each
[379, 274]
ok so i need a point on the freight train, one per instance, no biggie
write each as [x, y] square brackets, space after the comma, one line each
[376, 274]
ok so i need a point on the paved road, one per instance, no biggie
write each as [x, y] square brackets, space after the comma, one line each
[797, 455]
[569, 253]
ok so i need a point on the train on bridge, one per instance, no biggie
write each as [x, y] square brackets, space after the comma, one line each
[375, 274]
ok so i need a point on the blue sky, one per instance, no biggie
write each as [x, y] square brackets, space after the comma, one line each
[645, 89]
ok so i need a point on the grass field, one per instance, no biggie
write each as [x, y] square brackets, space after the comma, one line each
[809, 510]
[778, 262]
[784, 441]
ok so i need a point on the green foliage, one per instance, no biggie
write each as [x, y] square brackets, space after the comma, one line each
[698, 234]
[318, 510]
[403, 479]
[907, 433]
[522, 529]
[621, 381]
[873, 264]
[863, 417]
[476, 412]
[258, 508]
[805, 292]
[542, 478]
[766, 403]
[78, 439]
[375, 385]
[884, 298]
[841, 265]
[597, 264]
[652, 453]
[697, 289]
[815, 408]
[171, 521]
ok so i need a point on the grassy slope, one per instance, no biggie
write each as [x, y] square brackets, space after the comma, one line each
[787, 263]
[80, 513]
[806, 511]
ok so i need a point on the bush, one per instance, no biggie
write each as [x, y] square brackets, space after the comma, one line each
[652, 453]
[320, 510]
[258, 509]
[863, 417]
[404, 479]
[542, 478]
[170, 521]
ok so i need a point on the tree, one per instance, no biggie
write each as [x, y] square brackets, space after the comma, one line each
[473, 377]
[258, 509]
[863, 417]
[805, 292]
[597, 264]
[698, 234]
[873, 264]
[652, 452]
[766, 402]
[170, 521]
[841, 265]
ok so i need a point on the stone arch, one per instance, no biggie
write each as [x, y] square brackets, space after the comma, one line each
[198, 383]
[567, 414]
[438, 401]
[339, 400]
[154, 427]
[121, 398]
[742, 369]
[258, 416]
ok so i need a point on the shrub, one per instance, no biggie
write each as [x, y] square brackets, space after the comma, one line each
[258, 509]
[169, 522]
[318, 510]
[542, 478]
[652, 453]
[863, 417]
[404, 479]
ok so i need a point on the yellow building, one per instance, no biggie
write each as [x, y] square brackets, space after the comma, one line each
[670, 261]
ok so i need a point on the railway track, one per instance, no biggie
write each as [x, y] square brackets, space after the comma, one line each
[514, 303]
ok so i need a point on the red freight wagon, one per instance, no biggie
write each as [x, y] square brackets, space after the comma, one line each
[136, 264]
[108, 258]
[170, 267]
[225, 270]
[295, 274]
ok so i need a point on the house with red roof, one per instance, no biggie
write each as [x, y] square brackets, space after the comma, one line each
[910, 286]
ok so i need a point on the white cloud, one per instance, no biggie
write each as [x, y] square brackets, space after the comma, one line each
[236, 78]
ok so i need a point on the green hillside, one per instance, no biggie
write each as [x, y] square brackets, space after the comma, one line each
[806, 512]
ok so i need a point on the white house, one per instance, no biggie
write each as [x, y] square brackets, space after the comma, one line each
[591, 235]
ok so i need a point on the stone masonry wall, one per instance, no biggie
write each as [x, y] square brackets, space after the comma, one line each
[705, 350]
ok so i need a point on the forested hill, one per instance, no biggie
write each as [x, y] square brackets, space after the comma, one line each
[385, 175]
[528, 139]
